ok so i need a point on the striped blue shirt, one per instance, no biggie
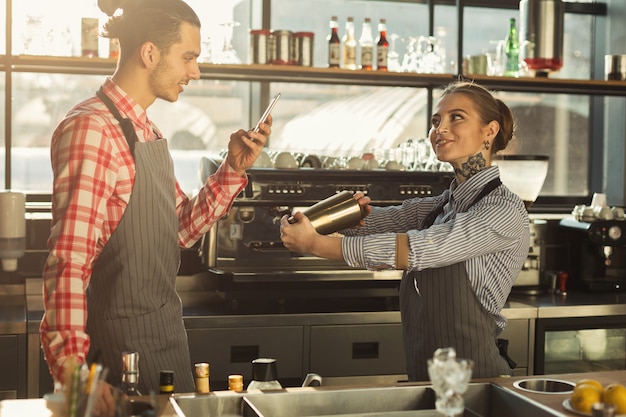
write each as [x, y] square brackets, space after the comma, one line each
[491, 237]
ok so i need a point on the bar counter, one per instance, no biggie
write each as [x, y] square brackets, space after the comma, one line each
[551, 401]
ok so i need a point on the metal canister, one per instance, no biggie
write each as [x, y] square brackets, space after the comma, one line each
[281, 46]
[541, 34]
[303, 48]
[259, 46]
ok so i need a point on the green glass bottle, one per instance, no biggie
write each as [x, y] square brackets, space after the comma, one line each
[511, 50]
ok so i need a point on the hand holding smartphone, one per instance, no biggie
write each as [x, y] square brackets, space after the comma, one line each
[267, 112]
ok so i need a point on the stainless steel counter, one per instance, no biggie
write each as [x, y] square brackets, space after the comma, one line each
[575, 304]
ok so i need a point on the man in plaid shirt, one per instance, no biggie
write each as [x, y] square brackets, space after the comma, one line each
[119, 215]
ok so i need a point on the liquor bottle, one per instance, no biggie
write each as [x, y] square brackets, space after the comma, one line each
[366, 45]
[202, 378]
[130, 374]
[166, 382]
[511, 51]
[348, 42]
[382, 46]
[334, 44]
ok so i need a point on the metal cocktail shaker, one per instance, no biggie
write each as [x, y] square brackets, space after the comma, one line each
[337, 212]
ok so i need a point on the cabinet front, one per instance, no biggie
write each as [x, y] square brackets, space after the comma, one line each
[231, 351]
[357, 350]
[13, 365]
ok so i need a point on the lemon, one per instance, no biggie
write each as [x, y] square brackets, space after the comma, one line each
[590, 381]
[584, 396]
[615, 394]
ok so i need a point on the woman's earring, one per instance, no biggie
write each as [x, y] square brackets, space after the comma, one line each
[487, 145]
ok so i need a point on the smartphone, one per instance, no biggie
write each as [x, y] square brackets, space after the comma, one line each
[267, 112]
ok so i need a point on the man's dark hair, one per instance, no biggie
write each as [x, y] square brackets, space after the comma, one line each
[156, 21]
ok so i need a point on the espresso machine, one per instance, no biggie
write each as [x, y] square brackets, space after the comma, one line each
[246, 257]
[596, 253]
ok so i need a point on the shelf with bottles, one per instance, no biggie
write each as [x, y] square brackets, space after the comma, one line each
[320, 75]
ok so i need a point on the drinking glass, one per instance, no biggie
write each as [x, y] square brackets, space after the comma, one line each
[228, 55]
[430, 59]
[450, 377]
[393, 58]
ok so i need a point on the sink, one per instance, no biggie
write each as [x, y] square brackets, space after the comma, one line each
[214, 404]
[545, 386]
[481, 400]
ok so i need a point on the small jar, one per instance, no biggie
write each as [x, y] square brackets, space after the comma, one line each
[281, 47]
[235, 382]
[202, 378]
[259, 46]
[166, 382]
[303, 48]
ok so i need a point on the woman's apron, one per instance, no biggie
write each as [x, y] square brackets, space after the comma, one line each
[131, 299]
[439, 309]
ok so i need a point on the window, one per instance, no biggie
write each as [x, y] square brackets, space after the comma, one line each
[342, 119]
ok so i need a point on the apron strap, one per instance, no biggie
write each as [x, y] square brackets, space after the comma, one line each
[126, 124]
[489, 187]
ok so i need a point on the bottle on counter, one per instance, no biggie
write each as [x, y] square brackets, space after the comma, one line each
[511, 51]
[382, 46]
[348, 43]
[366, 45]
[166, 382]
[130, 374]
[264, 375]
[235, 382]
[334, 44]
[202, 378]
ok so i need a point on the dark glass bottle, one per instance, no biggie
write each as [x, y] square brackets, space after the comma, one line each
[382, 46]
[130, 374]
[334, 44]
[511, 51]
[166, 382]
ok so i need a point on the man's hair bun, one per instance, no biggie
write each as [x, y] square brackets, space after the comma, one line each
[110, 6]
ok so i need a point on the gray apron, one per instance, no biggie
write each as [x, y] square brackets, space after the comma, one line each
[446, 313]
[131, 299]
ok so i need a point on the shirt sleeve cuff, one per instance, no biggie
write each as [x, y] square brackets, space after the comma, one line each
[353, 255]
[229, 179]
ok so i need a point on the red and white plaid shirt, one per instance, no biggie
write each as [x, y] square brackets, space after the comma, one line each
[94, 172]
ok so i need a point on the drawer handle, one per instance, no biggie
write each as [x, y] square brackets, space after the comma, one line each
[365, 350]
[244, 354]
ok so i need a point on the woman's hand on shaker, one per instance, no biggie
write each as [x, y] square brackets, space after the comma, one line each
[364, 201]
[245, 147]
[300, 236]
